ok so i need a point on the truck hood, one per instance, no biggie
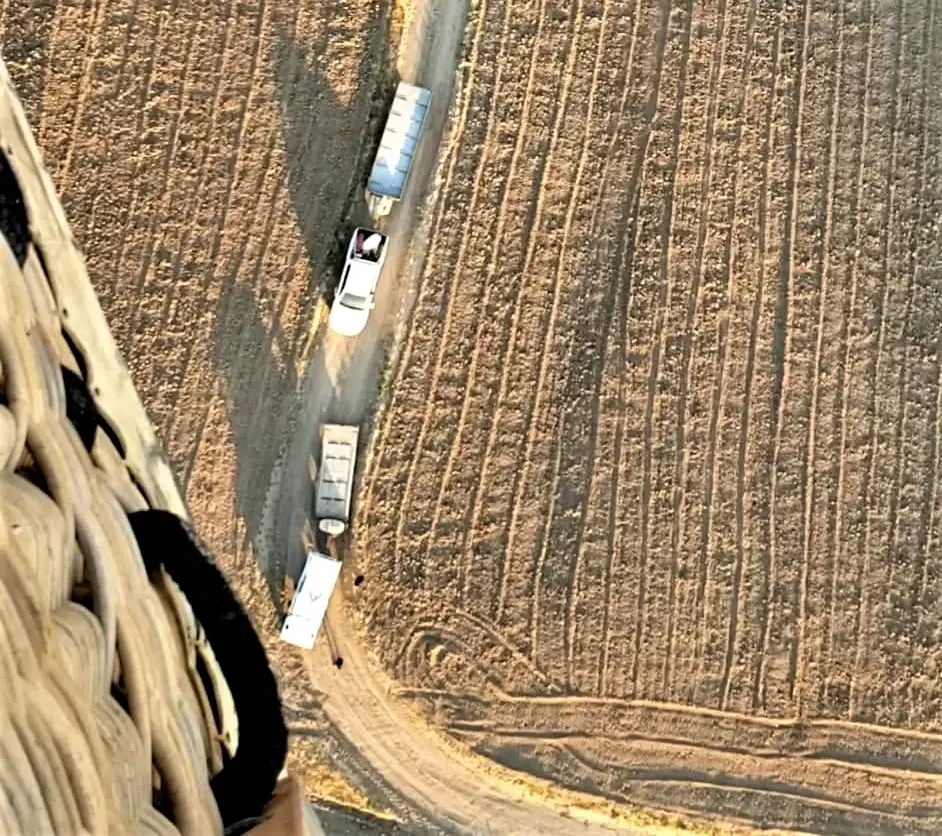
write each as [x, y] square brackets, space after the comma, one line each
[347, 321]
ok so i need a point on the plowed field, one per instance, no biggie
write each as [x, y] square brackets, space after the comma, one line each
[654, 506]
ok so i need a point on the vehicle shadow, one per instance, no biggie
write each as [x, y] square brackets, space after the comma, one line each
[329, 143]
[24, 37]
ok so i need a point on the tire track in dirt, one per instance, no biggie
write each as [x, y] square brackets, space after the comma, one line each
[754, 417]
[452, 511]
[633, 771]
[910, 461]
[801, 248]
[692, 202]
[570, 473]
[614, 361]
[769, 79]
[551, 195]
[502, 313]
[92, 50]
[782, 355]
[835, 762]
[458, 366]
[872, 248]
[851, 151]
[867, 746]
[427, 332]
[449, 164]
[864, 604]
[483, 561]
[810, 612]
[121, 78]
[837, 686]
[215, 246]
[663, 260]
[625, 583]
[586, 622]
[406, 392]
[159, 224]
[448, 384]
[926, 257]
[719, 292]
[727, 323]
[184, 430]
[130, 315]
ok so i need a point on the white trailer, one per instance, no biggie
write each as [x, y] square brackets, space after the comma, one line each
[309, 603]
[397, 148]
[335, 479]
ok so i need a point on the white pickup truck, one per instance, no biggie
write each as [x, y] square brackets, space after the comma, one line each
[332, 498]
[353, 301]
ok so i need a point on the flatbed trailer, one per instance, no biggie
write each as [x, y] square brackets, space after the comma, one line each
[397, 148]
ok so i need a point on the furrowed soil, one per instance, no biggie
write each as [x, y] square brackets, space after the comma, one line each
[653, 509]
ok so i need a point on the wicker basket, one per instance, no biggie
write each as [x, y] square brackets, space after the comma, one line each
[106, 725]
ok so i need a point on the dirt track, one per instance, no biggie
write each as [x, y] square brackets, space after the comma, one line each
[653, 509]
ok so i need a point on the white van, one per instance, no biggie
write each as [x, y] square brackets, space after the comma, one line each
[309, 604]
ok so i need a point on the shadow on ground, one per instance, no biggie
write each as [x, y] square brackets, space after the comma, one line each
[329, 145]
[24, 38]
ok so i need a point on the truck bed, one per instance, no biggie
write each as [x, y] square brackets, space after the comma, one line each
[399, 142]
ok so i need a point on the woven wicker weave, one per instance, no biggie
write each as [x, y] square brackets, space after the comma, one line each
[103, 716]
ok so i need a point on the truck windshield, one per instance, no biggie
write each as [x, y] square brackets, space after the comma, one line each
[350, 300]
